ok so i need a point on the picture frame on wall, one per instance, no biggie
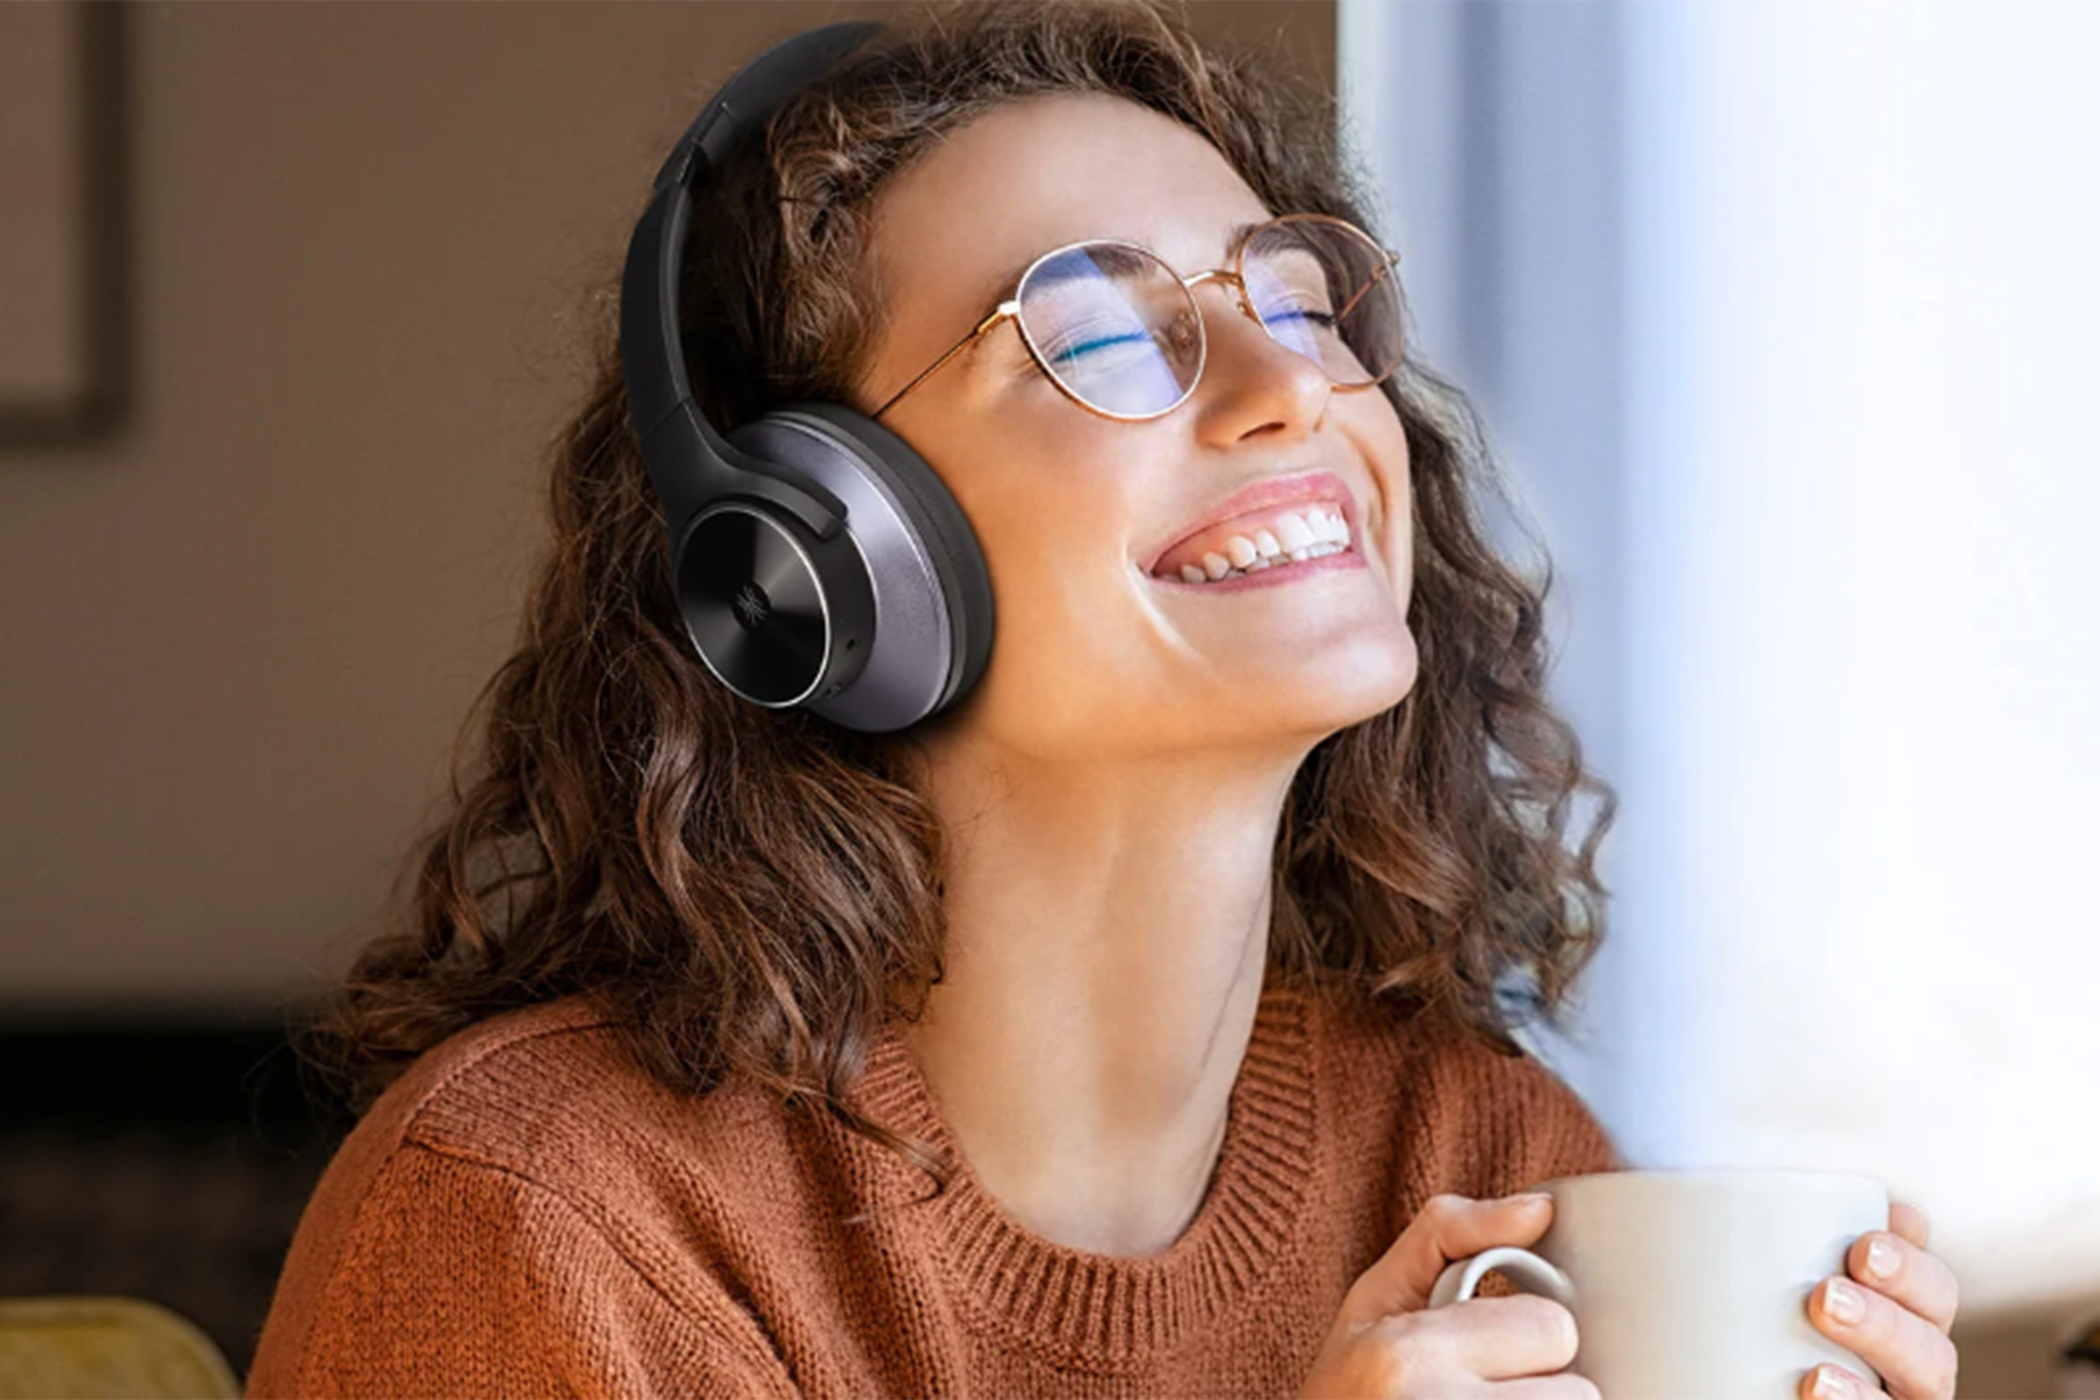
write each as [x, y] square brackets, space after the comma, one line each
[65, 338]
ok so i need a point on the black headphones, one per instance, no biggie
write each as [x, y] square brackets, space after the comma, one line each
[817, 559]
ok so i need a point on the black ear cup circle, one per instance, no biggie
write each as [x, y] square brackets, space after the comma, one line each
[753, 605]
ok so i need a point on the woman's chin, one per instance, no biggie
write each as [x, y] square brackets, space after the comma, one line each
[1319, 690]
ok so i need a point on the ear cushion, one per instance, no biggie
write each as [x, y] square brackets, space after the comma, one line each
[965, 582]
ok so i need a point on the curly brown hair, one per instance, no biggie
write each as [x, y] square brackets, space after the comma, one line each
[754, 890]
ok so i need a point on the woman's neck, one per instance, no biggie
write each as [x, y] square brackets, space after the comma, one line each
[1107, 938]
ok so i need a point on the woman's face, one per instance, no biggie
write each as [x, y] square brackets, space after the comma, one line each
[1091, 653]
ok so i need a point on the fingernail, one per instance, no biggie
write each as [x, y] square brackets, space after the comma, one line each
[1830, 1385]
[1842, 1301]
[1527, 1198]
[1881, 1257]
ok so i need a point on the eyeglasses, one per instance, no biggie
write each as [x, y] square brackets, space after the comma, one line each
[1119, 331]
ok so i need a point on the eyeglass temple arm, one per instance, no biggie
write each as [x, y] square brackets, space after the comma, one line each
[1392, 261]
[1006, 309]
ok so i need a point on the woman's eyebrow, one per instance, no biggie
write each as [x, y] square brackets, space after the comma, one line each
[1003, 286]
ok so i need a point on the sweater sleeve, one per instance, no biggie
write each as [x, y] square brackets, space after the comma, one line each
[1485, 1124]
[1532, 1128]
[457, 1277]
[1566, 1137]
[1542, 1129]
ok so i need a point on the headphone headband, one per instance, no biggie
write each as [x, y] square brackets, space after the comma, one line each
[652, 350]
[747, 102]
[818, 561]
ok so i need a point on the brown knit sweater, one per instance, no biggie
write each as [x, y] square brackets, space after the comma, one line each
[526, 1212]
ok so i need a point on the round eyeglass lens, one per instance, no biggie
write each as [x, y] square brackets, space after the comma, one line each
[1115, 327]
[1327, 290]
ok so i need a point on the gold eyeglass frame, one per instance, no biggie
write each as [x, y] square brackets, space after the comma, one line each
[1010, 310]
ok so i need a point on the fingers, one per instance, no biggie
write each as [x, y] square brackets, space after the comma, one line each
[1566, 1386]
[1913, 1357]
[1909, 1221]
[1448, 1227]
[1388, 1341]
[1905, 1311]
[1902, 1271]
[1485, 1338]
[1836, 1383]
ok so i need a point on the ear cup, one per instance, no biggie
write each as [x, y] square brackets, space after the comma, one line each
[911, 552]
[776, 614]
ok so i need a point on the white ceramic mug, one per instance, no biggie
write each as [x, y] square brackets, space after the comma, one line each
[1691, 1283]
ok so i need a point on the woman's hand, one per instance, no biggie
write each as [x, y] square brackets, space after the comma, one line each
[1907, 1299]
[1388, 1342]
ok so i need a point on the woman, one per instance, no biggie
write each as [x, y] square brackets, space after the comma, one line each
[1138, 1024]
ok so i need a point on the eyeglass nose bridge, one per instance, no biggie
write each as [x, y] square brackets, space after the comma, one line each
[1231, 279]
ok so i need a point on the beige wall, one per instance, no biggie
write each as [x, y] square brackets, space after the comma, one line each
[239, 640]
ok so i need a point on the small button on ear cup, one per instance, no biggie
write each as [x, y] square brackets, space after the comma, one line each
[931, 594]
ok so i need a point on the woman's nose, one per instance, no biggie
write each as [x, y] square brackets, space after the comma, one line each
[1252, 381]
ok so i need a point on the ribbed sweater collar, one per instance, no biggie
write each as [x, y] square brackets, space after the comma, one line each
[1110, 1309]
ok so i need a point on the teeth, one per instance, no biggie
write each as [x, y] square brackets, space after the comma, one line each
[1211, 572]
[1292, 530]
[1313, 533]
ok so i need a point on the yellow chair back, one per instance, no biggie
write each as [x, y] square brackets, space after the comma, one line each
[106, 1349]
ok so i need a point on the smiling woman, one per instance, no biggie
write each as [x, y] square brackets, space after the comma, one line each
[1180, 953]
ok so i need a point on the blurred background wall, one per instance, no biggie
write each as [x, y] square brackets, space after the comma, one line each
[1713, 292]
[243, 631]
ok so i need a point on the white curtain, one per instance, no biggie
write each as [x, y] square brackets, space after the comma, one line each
[1783, 316]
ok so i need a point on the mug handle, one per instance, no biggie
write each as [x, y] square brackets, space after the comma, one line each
[1523, 1268]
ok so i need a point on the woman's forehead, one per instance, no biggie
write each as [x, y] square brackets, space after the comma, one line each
[1039, 173]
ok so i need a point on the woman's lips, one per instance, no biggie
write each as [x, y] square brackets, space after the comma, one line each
[1275, 493]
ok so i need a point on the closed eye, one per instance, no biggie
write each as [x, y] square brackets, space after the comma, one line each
[1094, 346]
